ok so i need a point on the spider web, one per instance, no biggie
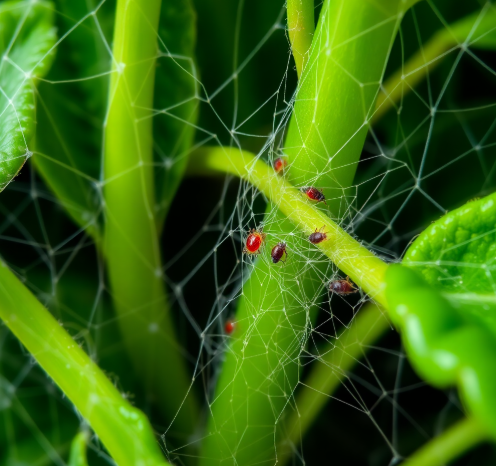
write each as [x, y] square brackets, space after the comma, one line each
[430, 153]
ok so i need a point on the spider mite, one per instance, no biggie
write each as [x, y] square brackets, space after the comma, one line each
[342, 287]
[314, 194]
[318, 236]
[254, 241]
[229, 326]
[279, 165]
[278, 251]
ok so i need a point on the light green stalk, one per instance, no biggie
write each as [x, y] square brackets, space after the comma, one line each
[301, 26]
[411, 74]
[77, 456]
[347, 253]
[340, 356]
[449, 445]
[123, 429]
[131, 241]
[476, 30]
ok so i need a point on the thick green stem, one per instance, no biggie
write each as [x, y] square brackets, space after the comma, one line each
[123, 429]
[131, 241]
[347, 253]
[337, 92]
[335, 96]
[449, 445]
[301, 26]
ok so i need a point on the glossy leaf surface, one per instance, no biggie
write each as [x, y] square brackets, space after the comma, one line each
[458, 252]
[27, 36]
[444, 345]
[70, 133]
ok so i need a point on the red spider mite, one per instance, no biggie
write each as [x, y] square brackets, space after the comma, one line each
[342, 287]
[314, 194]
[230, 326]
[279, 165]
[278, 251]
[318, 236]
[254, 241]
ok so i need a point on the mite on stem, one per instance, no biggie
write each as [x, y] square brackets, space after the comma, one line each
[314, 194]
[318, 236]
[278, 251]
[342, 287]
[254, 242]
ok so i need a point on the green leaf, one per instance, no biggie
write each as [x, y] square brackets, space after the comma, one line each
[458, 252]
[478, 308]
[443, 343]
[175, 100]
[72, 111]
[448, 321]
[27, 36]
[70, 136]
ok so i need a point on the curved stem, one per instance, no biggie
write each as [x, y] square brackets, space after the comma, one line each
[348, 254]
[77, 456]
[123, 429]
[449, 445]
[412, 73]
[131, 241]
[301, 26]
[473, 30]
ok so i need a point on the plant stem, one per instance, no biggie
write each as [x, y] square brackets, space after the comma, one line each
[347, 253]
[131, 242]
[412, 73]
[123, 429]
[474, 30]
[336, 93]
[77, 456]
[449, 445]
[301, 26]
[336, 360]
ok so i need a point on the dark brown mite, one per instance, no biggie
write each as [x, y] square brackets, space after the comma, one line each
[314, 194]
[278, 251]
[342, 287]
[318, 236]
